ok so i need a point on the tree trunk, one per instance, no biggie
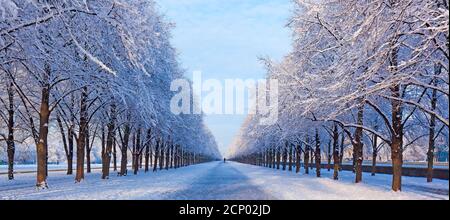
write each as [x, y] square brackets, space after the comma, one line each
[161, 158]
[354, 159]
[135, 158]
[136, 153]
[341, 153]
[336, 153]
[133, 149]
[42, 145]
[11, 148]
[140, 159]
[297, 158]
[106, 157]
[103, 141]
[70, 144]
[114, 154]
[397, 141]
[155, 162]
[88, 150]
[285, 156]
[181, 157]
[185, 158]
[358, 145]
[317, 154]
[263, 158]
[171, 156]
[397, 126]
[374, 163]
[306, 160]
[269, 154]
[374, 154]
[278, 158]
[175, 157]
[290, 158]
[431, 136]
[329, 156]
[167, 157]
[88, 160]
[397, 163]
[147, 157]
[124, 151]
[188, 158]
[260, 160]
[273, 157]
[81, 140]
[150, 155]
[147, 149]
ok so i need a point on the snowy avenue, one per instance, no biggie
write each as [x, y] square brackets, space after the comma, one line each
[224, 100]
[221, 181]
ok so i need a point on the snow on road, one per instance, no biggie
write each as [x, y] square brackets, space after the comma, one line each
[292, 186]
[223, 181]
[216, 180]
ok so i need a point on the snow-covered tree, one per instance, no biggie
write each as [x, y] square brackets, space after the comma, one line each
[94, 71]
[372, 68]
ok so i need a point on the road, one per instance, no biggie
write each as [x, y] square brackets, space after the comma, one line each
[222, 182]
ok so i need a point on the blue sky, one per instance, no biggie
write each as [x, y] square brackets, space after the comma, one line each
[223, 39]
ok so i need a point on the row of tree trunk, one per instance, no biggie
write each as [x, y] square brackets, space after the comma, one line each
[163, 152]
[290, 156]
[276, 156]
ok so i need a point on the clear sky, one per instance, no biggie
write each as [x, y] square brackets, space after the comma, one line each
[223, 39]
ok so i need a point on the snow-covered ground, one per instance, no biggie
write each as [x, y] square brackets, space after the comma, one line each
[216, 180]
[292, 186]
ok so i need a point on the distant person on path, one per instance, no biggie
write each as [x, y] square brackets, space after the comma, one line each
[224, 160]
